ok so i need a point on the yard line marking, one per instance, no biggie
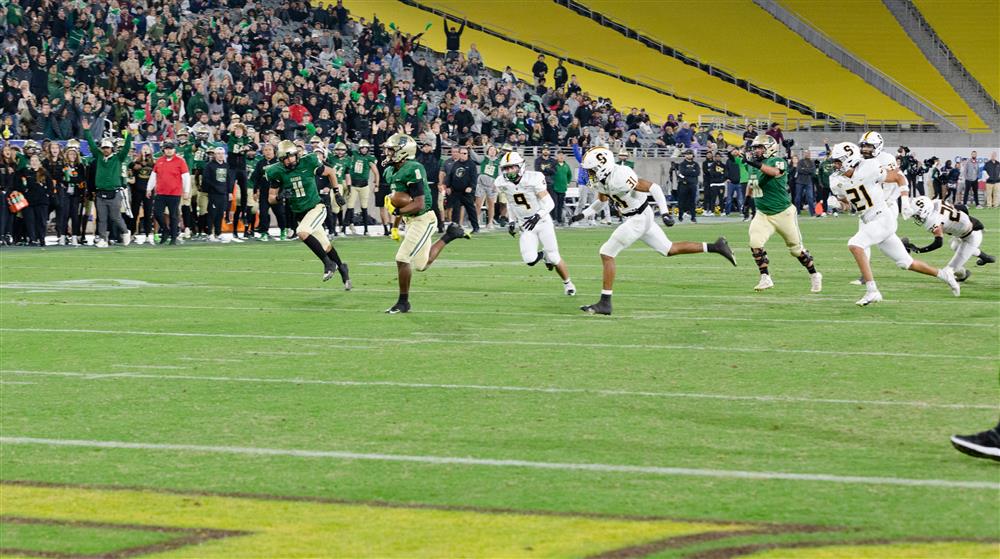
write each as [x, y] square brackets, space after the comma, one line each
[209, 359]
[125, 365]
[509, 463]
[637, 315]
[562, 344]
[508, 388]
[15, 382]
[280, 353]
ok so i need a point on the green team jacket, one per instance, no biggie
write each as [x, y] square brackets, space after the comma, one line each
[108, 175]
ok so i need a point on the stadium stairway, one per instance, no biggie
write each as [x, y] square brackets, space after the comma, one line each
[566, 34]
[775, 58]
[498, 53]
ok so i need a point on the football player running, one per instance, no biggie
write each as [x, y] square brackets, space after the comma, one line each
[859, 187]
[528, 207]
[768, 185]
[416, 249]
[940, 217]
[294, 177]
[630, 195]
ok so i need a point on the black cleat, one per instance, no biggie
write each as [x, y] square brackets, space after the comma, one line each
[668, 220]
[454, 231]
[345, 276]
[721, 246]
[600, 307]
[980, 445]
[328, 273]
[398, 308]
[985, 259]
[963, 277]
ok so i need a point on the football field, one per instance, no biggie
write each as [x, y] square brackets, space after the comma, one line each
[221, 401]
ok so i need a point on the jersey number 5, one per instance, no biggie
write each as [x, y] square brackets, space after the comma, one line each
[520, 200]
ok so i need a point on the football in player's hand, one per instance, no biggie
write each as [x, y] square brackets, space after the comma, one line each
[400, 199]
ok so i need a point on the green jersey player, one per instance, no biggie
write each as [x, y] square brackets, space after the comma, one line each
[294, 178]
[410, 177]
[768, 184]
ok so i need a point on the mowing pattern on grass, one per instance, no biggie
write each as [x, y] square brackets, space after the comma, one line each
[156, 358]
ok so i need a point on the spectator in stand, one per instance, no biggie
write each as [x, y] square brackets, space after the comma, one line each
[774, 131]
[970, 172]
[539, 69]
[453, 38]
[992, 168]
[749, 135]
[560, 75]
[685, 135]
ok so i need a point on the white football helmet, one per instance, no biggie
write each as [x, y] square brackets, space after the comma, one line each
[871, 140]
[512, 166]
[922, 208]
[599, 163]
[848, 154]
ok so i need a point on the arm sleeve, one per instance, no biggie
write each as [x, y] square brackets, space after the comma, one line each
[592, 209]
[659, 198]
[186, 182]
[936, 244]
[151, 183]
[547, 205]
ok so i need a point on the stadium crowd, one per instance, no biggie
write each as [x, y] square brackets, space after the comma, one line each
[221, 83]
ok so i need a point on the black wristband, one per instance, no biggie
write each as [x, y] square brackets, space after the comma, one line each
[753, 163]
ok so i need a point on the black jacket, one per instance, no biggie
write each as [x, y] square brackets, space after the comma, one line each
[732, 170]
[715, 172]
[217, 178]
[688, 172]
[463, 175]
[992, 169]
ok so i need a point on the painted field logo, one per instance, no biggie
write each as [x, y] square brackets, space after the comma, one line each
[44, 520]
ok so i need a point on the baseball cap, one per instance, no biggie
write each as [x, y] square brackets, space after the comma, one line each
[107, 143]
[168, 145]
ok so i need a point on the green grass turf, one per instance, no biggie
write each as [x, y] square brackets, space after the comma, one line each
[482, 318]
[76, 539]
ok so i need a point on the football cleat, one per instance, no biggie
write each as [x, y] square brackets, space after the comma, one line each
[816, 282]
[454, 231]
[764, 283]
[721, 246]
[345, 276]
[328, 273]
[980, 445]
[600, 307]
[952, 281]
[964, 275]
[859, 281]
[985, 259]
[549, 266]
[398, 308]
[869, 298]
[569, 289]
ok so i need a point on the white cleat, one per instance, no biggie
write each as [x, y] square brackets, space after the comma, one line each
[857, 281]
[150, 240]
[127, 239]
[869, 298]
[101, 243]
[764, 283]
[952, 281]
[569, 289]
[816, 282]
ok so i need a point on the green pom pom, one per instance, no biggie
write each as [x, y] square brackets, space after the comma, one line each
[355, 96]
[139, 114]
[304, 73]
[185, 66]
[428, 26]
[148, 62]
[392, 25]
[338, 62]
[166, 111]
[151, 87]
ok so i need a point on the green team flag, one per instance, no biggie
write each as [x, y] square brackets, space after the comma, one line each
[392, 25]
[304, 73]
[310, 129]
[166, 112]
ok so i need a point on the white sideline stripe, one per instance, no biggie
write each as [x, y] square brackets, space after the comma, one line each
[499, 342]
[209, 360]
[279, 353]
[499, 388]
[15, 382]
[126, 365]
[468, 461]
[638, 315]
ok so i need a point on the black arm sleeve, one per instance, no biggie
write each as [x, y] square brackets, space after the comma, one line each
[938, 242]
[415, 189]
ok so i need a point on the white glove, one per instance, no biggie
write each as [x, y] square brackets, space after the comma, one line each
[907, 209]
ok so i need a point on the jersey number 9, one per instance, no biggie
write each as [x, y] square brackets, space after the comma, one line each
[520, 200]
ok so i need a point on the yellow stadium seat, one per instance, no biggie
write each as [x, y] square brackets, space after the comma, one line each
[969, 28]
[553, 27]
[498, 54]
[882, 43]
[766, 52]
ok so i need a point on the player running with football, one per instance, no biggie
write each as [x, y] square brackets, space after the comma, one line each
[768, 185]
[294, 178]
[528, 207]
[940, 217]
[630, 195]
[860, 187]
[416, 250]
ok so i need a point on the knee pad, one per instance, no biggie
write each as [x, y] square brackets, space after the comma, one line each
[760, 257]
[804, 257]
[553, 257]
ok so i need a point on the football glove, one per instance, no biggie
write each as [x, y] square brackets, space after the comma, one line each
[576, 218]
[910, 247]
[668, 219]
[337, 197]
[512, 228]
[394, 233]
[388, 205]
[530, 222]
[906, 209]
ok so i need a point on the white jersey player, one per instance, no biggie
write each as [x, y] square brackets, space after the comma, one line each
[630, 194]
[871, 145]
[940, 218]
[860, 187]
[528, 207]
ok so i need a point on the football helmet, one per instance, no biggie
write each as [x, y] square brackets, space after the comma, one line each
[872, 141]
[399, 148]
[286, 149]
[512, 166]
[599, 162]
[922, 208]
[769, 144]
[847, 153]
